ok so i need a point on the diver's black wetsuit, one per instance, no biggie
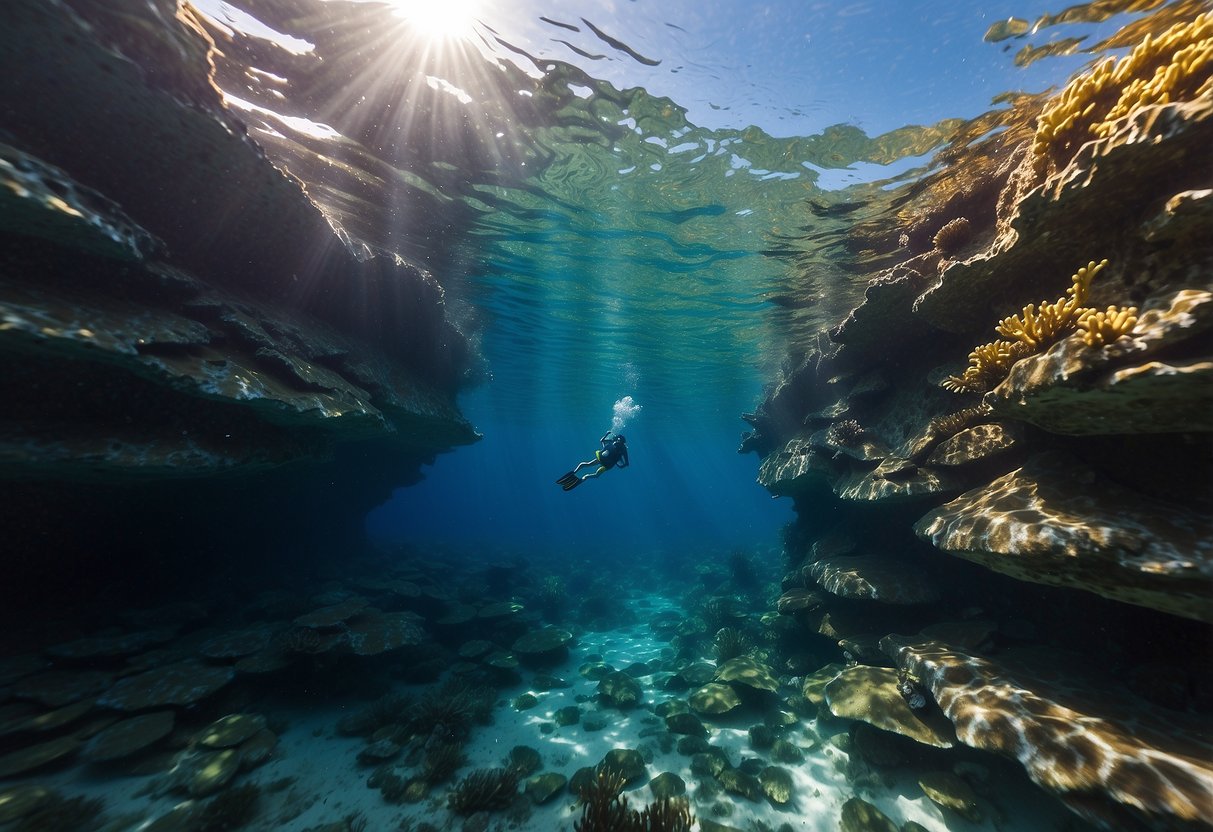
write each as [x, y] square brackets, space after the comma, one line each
[614, 452]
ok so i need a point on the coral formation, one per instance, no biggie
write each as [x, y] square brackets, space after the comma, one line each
[847, 433]
[442, 760]
[484, 790]
[1175, 66]
[953, 236]
[1102, 328]
[1032, 333]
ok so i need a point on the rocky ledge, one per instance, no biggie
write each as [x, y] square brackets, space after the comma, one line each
[190, 352]
[1053, 493]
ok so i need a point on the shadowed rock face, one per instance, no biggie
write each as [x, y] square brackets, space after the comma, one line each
[1083, 463]
[1054, 521]
[196, 364]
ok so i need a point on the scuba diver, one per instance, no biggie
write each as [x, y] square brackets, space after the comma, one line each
[614, 453]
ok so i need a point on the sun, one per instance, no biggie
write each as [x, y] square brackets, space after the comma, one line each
[439, 19]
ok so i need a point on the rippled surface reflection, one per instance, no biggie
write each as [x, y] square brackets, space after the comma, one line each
[597, 230]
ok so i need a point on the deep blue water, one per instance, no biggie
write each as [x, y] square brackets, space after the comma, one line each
[686, 488]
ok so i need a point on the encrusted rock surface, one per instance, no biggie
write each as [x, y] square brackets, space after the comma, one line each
[870, 694]
[1054, 521]
[1113, 759]
[191, 352]
[876, 578]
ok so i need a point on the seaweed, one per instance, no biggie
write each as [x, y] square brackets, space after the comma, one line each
[605, 809]
[484, 790]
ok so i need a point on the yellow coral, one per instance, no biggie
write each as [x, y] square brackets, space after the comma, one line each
[1175, 66]
[990, 363]
[1100, 328]
[1054, 320]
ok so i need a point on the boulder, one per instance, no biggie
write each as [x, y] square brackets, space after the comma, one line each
[33, 757]
[870, 694]
[620, 690]
[951, 792]
[230, 730]
[178, 684]
[543, 787]
[543, 648]
[370, 634]
[746, 671]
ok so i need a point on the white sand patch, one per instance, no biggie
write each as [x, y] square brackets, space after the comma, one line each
[326, 782]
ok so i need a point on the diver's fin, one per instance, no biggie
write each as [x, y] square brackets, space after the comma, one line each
[571, 484]
[566, 479]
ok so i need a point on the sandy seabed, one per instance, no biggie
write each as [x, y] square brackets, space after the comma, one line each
[314, 778]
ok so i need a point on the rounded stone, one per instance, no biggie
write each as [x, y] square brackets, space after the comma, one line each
[19, 801]
[35, 756]
[231, 730]
[544, 643]
[739, 783]
[744, 670]
[378, 752]
[620, 690]
[212, 771]
[860, 816]
[690, 745]
[258, 748]
[951, 792]
[567, 716]
[667, 785]
[685, 723]
[543, 787]
[128, 736]
[777, 784]
[626, 762]
[475, 649]
[178, 684]
[715, 698]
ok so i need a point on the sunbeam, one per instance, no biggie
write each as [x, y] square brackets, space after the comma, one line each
[449, 20]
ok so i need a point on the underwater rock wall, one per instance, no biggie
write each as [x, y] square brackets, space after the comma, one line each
[187, 345]
[1073, 451]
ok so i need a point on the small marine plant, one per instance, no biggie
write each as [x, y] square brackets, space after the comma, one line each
[605, 809]
[484, 790]
[730, 643]
[442, 760]
[79, 814]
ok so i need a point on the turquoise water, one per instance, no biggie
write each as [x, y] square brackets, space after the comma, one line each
[664, 202]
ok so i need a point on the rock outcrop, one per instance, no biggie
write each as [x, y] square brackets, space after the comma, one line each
[1073, 452]
[191, 352]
